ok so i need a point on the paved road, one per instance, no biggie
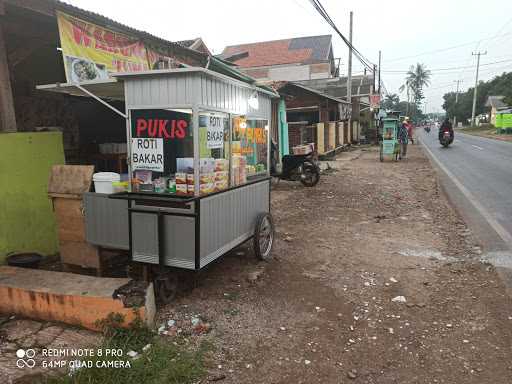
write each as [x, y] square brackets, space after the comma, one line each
[483, 167]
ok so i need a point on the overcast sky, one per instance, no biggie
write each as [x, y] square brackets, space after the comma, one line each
[440, 34]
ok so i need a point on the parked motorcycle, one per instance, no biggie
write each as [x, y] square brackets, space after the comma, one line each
[301, 168]
[446, 137]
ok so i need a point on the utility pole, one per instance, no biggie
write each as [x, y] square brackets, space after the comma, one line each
[374, 77]
[456, 101]
[478, 54]
[379, 71]
[349, 77]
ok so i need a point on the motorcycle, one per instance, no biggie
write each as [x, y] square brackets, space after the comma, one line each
[301, 168]
[446, 138]
[427, 128]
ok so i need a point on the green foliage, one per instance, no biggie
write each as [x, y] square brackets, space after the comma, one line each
[163, 362]
[133, 338]
[418, 77]
[391, 102]
[499, 86]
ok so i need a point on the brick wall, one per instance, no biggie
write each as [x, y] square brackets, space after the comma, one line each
[294, 134]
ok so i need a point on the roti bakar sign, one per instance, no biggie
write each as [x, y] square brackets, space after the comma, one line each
[148, 153]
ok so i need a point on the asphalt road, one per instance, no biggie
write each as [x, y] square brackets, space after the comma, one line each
[477, 175]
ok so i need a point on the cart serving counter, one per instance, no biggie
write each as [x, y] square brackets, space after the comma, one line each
[199, 183]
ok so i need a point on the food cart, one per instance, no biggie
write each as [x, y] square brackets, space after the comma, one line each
[389, 143]
[199, 182]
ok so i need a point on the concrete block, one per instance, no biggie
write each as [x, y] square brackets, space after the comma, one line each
[69, 298]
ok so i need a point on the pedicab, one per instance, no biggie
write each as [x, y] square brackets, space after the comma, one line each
[389, 146]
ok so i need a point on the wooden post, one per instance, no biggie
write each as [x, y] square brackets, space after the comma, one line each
[320, 138]
[7, 115]
[332, 135]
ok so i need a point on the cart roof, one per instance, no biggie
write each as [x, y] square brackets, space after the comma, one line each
[105, 89]
[176, 71]
[113, 88]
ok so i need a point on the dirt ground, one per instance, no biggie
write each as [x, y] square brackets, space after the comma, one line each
[322, 310]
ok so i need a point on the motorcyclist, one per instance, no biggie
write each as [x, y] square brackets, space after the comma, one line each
[446, 125]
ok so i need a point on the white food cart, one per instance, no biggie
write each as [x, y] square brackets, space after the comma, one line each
[198, 165]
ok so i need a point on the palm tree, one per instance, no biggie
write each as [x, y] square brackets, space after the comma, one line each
[417, 78]
[407, 86]
[391, 101]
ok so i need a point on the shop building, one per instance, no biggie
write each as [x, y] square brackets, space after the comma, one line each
[49, 42]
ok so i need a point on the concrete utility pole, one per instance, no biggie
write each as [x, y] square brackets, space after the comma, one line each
[456, 101]
[349, 77]
[478, 54]
[379, 71]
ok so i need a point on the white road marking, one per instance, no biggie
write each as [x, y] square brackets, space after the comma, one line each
[500, 230]
[477, 147]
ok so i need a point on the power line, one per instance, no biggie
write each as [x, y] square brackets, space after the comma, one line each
[321, 10]
[448, 48]
[451, 68]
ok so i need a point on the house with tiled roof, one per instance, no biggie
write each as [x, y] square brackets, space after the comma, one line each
[295, 59]
[196, 44]
[495, 103]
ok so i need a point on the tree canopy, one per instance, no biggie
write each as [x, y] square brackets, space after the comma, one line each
[418, 77]
[499, 86]
[392, 102]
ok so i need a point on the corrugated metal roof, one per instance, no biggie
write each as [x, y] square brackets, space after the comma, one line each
[112, 24]
[119, 27]
[282, 84]
[362, 85]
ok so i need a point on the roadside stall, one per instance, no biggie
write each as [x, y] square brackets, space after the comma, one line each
[389, 145]
[198, 171]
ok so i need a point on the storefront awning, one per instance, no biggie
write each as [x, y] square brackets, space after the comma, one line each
[109, 89]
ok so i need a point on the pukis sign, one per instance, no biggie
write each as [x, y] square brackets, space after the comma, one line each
[160, 128]
[159, 123]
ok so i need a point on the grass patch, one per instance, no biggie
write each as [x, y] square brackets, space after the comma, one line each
[163, 362]
[485, 131]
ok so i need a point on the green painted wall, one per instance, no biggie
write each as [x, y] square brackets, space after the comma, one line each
[26, 217]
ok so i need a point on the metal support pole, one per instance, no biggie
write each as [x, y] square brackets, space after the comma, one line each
[99, 100]
[478, 54]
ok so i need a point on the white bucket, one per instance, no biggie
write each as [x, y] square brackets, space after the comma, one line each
[103, 181]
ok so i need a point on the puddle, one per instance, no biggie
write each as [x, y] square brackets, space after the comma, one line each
[426, 253]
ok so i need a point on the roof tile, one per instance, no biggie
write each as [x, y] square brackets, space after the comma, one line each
[309, 49]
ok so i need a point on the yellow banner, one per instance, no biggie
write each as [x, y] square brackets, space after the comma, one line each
[91, 52]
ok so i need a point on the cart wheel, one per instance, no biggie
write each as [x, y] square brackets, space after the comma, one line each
[263, 236]
[166, 287]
